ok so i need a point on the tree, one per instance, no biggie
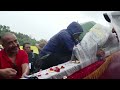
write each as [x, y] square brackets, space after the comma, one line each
[22, 38]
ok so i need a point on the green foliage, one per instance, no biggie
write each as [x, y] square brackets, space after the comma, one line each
[22, 38]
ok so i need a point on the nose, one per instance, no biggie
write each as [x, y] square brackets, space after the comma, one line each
[14, 44]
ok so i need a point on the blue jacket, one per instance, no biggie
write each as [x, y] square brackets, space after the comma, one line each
[63, 42]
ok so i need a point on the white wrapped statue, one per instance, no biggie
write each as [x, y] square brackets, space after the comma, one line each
[100, 40]
[114, 22]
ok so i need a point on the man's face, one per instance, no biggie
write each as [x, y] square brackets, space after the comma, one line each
[76, 36]
[113, 31]
[27, 48]
[10, 43]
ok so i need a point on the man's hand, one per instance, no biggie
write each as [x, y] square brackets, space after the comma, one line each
[24, 75]
[100, 53]
[25, 70]
[8, 73]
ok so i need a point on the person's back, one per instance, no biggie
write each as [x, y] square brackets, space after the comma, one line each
[57, 44]
[61, 45]
[63, 41]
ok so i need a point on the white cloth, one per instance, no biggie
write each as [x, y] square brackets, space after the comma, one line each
[115, 21]
[30, 65]
[112, 44]
[69, 69]
[87, 48]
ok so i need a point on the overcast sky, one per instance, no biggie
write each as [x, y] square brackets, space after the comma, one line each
[44, 24]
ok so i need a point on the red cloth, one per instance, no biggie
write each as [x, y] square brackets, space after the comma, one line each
[86, 71]
[21, 58]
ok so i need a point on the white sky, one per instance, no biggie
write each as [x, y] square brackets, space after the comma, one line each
[44, 24]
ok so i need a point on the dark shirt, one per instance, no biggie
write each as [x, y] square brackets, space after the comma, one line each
[33, 59]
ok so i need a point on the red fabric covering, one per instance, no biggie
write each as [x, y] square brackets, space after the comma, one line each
[85, 71]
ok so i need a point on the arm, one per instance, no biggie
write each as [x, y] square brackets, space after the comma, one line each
[25, 64]
[25, 69]
[67, 39]
[8, 73]
[100, 54]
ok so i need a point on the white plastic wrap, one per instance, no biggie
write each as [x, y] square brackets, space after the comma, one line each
[100, 34]
[115, 21]
[97, 35]
[112, 44]
[89, 46]
[85, 51]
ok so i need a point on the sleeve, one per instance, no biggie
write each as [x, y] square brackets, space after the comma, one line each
[67, 39]
[25, 57]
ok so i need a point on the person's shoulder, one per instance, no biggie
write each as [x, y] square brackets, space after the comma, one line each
[22, 52]
[63, 33]
[1, 52]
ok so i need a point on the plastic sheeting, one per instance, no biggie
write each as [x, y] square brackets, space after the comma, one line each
[112, 45]
[69, 69]
[98, 37]
[86, 27]
[87, 48]
[115, 21]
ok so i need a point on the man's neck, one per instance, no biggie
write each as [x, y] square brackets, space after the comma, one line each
[11, 54]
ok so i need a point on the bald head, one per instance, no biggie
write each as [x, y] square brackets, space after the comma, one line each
[10, 42]
[6, 35]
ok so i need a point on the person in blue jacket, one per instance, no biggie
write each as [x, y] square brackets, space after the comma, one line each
[59, 48]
